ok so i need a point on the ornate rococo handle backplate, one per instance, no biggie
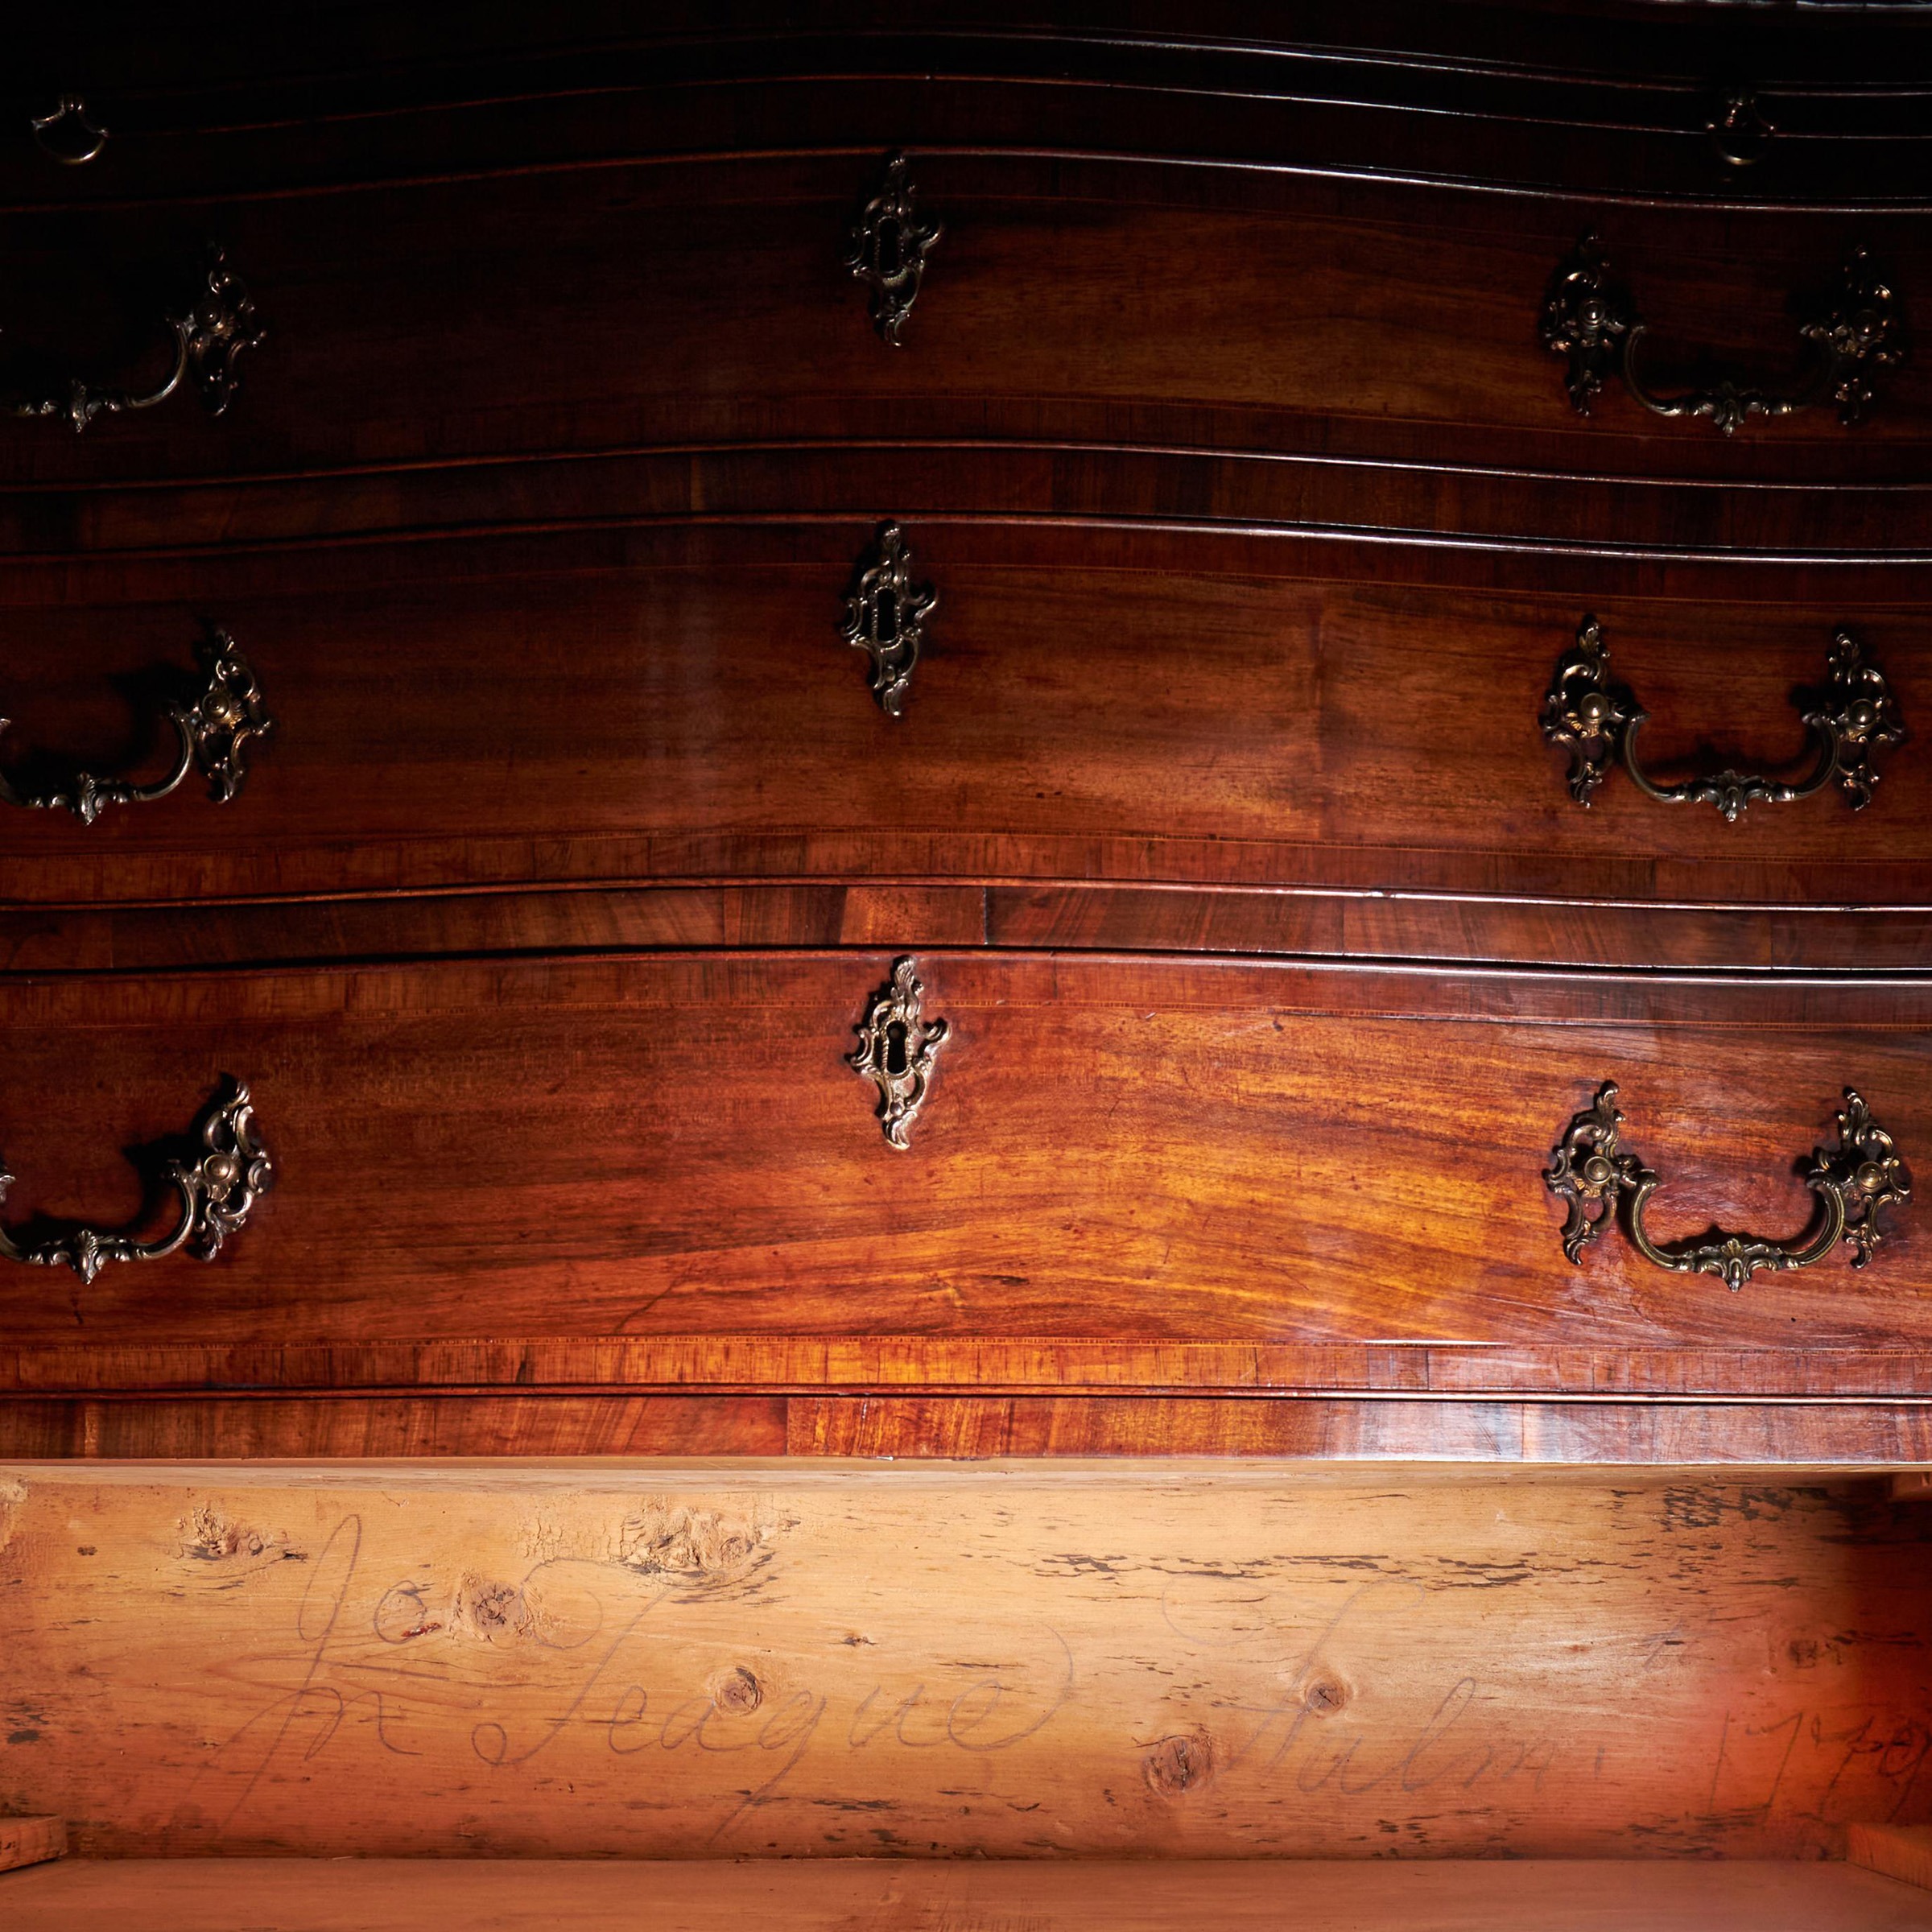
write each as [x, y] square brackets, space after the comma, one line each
[1596, 720]
[208, 339]
[887, 250]
[1596, 1174]
[67, 135]
[1594, 325]
[886, 617]
[218, 1194]
[210, 734]
[898, 1046]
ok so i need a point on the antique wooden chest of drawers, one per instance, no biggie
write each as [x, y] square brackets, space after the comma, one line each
[1296, 663]
[941, 814]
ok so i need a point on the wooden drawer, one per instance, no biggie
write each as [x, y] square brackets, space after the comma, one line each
[1829, 117]
[679, 704]
[1127, 1174]
[1395, 1669]
[1091, 301]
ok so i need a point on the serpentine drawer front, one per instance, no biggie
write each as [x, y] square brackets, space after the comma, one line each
[972, 702]
[1267, 314]
[706, 1168]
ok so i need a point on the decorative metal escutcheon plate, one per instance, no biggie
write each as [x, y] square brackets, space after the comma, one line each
[888, 247]
[1596, 1175]
[210, 735]
[1848, 345]
[898, 1046]
[1596, 720]
[886, 617]
[218, 1194]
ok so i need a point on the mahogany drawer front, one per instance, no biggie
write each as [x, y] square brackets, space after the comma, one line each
[681, 705]
[1092, 300]
[1612, 111]
[664, 1171]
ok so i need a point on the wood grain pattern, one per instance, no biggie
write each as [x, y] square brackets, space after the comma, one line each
[374, 1895]
[1501, 506]
[595, 1659]
[31, 1841]
[1149, 723]
[1639, 1432]
[417, 1425]
[1900, 1852]
[1358, 923]
[1095, 283]
[1115, 1153]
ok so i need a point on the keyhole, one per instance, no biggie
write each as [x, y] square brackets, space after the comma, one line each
[888, 618]
[895, 1048]
[891, 244]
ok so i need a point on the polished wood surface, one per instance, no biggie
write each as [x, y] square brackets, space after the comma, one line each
[1101, 300]
[656, 1660]
[1277, 955]
[1126, 717]
[1354, 922]
[372, 1895]
[1635, 1431]
[668, 1157]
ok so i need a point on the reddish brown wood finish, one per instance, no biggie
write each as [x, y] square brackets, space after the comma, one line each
[706, 303]
[238, 1428]
[1634, 1433]
[1359, 924]
[1258, 517]
[665, 1160]
[470, 718]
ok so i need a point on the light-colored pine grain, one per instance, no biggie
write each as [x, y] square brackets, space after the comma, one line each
[683, 1662]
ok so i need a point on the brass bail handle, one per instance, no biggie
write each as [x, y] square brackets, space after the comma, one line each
[216, 1194]
[210, 735]
[1596, 720]
[208, 341]
[1598, 1177]
[1848, 345]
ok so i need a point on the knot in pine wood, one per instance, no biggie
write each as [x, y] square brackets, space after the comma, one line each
[1179, 1763]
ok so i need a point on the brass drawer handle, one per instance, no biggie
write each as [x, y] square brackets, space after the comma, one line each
[67, 135]
[208, 339]
[898, 1046]
[211, 732]
[218, 1193]
[887, 249]
[1594, 1170]
[1592, 323]
[1595, 721]
[886, 617]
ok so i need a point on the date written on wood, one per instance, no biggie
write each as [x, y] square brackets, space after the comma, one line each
[813, 1670]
